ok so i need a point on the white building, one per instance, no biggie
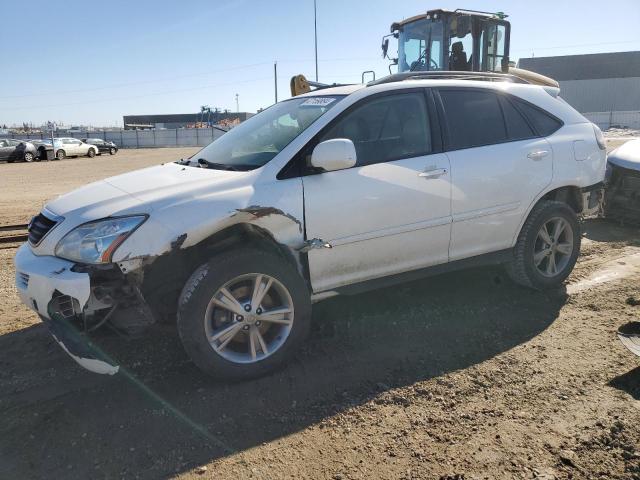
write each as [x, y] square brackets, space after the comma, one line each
[604, 87]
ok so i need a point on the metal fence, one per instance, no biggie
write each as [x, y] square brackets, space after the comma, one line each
[605, 120]
[181, 137]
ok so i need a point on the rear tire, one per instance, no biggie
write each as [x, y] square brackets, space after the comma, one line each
[201, 317]
[61, 154]
[29, 157]
[547, 248]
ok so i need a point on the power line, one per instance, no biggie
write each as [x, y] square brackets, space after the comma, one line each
[143, 82]
[140, 96]
[557, 47]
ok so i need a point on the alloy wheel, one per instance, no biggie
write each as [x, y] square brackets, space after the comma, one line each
[249, 318]
[553, 247]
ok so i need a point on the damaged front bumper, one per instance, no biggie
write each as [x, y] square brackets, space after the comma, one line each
[50, 287]
[622, 195]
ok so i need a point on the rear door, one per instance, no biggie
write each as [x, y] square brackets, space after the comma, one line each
[391, 212]
[499, 165]
[79, 147]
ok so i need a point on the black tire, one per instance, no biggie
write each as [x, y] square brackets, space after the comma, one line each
[205, 282]
[112, 151]
[29, 157]
[91, 153]
[61, 154]
[522, 268]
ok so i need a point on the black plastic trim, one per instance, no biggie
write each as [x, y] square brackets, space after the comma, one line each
[487, 259]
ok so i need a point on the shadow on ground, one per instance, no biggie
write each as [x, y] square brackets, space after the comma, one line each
[165, 417]
[602, 230]
[628, 382]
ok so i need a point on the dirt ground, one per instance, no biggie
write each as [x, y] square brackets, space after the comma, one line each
[459, 376]
[26, 187]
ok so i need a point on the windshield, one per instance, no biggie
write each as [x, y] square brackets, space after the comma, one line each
[255, 142]
[420, 46]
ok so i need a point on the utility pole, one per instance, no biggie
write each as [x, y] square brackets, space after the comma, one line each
[275, 78]
[237, 104]
[315, 32]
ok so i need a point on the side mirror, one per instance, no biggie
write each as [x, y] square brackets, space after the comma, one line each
[385, 47]
[336, 154]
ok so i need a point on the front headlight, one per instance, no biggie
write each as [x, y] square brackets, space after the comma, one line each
[95, 242]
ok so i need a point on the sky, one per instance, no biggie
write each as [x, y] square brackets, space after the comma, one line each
[90, 63]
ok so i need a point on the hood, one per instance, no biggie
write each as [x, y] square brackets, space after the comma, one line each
[140, 191]
[627, 155]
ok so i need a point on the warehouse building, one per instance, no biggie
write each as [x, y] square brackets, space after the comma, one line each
[604, 87]
[182, 120]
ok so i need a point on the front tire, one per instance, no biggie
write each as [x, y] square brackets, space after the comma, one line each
[243, 313]
[547, 248]
[112, 151]
[61, 154]
[91, 153]
[29, 157]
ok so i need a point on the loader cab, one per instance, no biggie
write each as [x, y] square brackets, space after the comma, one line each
[462, 40]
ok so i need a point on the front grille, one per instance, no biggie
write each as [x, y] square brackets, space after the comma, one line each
[22, 280]
[40, 225]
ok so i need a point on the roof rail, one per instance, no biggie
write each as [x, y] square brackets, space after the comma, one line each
[448, 75]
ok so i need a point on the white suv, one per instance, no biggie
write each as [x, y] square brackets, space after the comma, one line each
[336, 191]
[72, 147]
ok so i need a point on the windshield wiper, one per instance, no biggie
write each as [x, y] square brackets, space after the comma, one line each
[217, 166]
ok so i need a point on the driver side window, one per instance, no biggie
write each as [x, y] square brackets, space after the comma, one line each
[386, 128]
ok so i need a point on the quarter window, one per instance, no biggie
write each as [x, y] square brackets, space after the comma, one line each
[474, 118]
[386, 128]
[542, 122]
[517, 126]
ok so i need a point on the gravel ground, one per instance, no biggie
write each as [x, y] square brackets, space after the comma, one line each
[459, 376]
[26, 187]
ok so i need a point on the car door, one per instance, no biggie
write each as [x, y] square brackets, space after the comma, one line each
[498, 167]
[80, 147]
[391, 212]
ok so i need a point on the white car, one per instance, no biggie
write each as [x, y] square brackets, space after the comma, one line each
[333, 192]
[72, 147]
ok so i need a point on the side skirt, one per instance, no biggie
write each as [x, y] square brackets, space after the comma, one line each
[487, 259]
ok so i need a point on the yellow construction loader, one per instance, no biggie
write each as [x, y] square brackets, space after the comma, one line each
[447, 43]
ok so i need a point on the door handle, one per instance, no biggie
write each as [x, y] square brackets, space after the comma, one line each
[435, 173]
[538, 154]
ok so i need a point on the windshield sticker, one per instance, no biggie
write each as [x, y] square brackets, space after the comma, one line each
[317, 102]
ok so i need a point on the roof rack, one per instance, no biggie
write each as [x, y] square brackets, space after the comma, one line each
[448, 75]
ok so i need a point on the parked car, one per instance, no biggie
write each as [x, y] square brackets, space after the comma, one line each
[333, 192]
[622, 193]
[102, 145]
[72, 147]
[42, 147]
[12, 150]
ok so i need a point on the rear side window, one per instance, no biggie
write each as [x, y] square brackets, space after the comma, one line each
[517, 126]
[473, 117]
[543, 123]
